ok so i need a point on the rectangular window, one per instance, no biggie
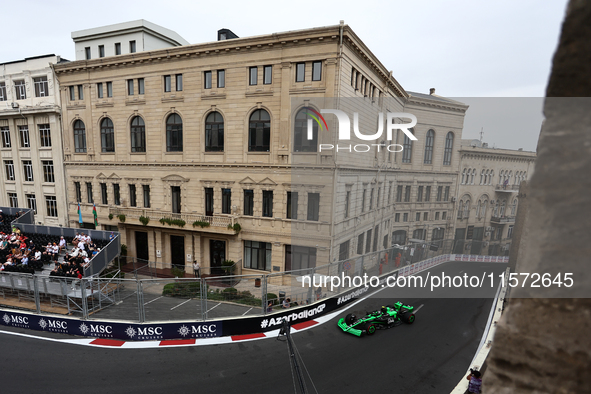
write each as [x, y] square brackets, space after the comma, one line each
[99, 90]
[31, 202]
[72, 91]
[426, 216]
[292, 205]
[78, 191]
[23, 132]
[12, 197]
[248, 202]
[300, 72]
[87, 53]
[267, 203]
[418, 217]
[428, 193]
[397, 217]
[299, 257]
[41, 87]
[360, 240]
[207, 80]
[313, 206]
[446, 195]
[146, 189]
[130, 87]
[407, 194]
[405, 217]
[51, 202]
[257, 255]
[316, 71]
[268, 75]
[221, 78]
[5, 131]
[140, 86]
[227, 201]
[167, 83]
[116, 194]
[399, 193]
[80, 92]
[253, 75]
[510, 232]
[378, 197]
[48, 174]
[209, 201]
[420, 194]
[9, 166]
[132, 196]
[20, 90]
[176, 199]
[28, 170]
[344, 251]
[89, 196]
[117, 48]
[104, 196]
[101, 50]
[132, 46]
[178, 82]
[363, 200]
[443, 215]
[436, 215]
[3, 96]
[439, 192]
[109, 89]
[368, 242]
[375, 238]
[347, 202]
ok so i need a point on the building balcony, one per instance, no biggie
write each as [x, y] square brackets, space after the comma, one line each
[500, 188]
[211, 224]
[502, 219]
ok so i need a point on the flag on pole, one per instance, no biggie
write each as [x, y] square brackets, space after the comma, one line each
[79, 213]
[94, 214]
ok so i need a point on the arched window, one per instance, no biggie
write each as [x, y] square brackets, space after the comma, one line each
[174, 133]
[482, 177]
[138, 135]
[214, 132]
[259, 131]
[107, 135]
[501, 177]
[478, 208]
[496, 209]
[509, 177]
[467, 209]
[301, 143]
[79, 137]
[483, 209]
[490, 178]
[429, 147]
[460, 209]
[473, 175]
[514, 207]
[407, 148]
[449, 143]
[502, 212]
[486, 175]
[464, 176]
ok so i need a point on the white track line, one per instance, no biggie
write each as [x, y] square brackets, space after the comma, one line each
[247, 311]
[213, 307]
[174, 307]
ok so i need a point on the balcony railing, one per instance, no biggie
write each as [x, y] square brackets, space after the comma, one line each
[218, 221]
[506, 188]
[502, 219]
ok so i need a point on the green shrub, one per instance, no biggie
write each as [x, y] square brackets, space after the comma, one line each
[182, 289]
[170, 222]
[177, 272]
[121, 218]
[145, 220]
[236, 227]
[271, 297]
[200, 223]
[110, 216]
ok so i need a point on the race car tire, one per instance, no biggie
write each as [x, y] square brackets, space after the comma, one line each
[406, 317]
[370, 328]
[350, 319]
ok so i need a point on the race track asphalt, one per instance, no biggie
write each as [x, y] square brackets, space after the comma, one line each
[429, 356]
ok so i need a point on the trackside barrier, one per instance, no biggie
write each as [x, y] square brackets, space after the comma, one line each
[93, 291]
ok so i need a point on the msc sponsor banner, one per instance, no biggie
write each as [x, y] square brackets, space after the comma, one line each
[113, 330]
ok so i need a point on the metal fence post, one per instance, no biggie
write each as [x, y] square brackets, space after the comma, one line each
[203, 296]
[37, 295]
[84, 300]
[140, 302]
[264, 295]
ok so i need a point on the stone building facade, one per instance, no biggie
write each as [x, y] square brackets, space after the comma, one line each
[31, 133]
[487, 199]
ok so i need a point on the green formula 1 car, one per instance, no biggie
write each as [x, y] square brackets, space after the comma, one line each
[387, 317]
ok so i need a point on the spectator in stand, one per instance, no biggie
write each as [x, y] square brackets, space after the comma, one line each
[3, 243]
[62, 244]
[1, 217]
[111, 236]
[76, 239]
[475, 384]
[286, 302]
[55, 251]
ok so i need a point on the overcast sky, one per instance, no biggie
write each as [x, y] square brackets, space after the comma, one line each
[463, 48]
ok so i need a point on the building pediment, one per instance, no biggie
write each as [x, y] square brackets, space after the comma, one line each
[247, 181]
[267, 182]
